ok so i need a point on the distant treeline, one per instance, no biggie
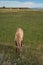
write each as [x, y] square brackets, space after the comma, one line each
[13, 8]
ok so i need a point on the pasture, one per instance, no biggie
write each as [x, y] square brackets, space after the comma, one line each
[32, 24]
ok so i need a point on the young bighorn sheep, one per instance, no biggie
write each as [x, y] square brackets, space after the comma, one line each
[19, 38]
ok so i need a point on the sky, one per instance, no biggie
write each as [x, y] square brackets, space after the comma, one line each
[22, 3]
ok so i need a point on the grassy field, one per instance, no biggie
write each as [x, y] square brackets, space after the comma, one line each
[32, 24]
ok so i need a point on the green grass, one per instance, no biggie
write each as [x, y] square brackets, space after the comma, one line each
[32, 24]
